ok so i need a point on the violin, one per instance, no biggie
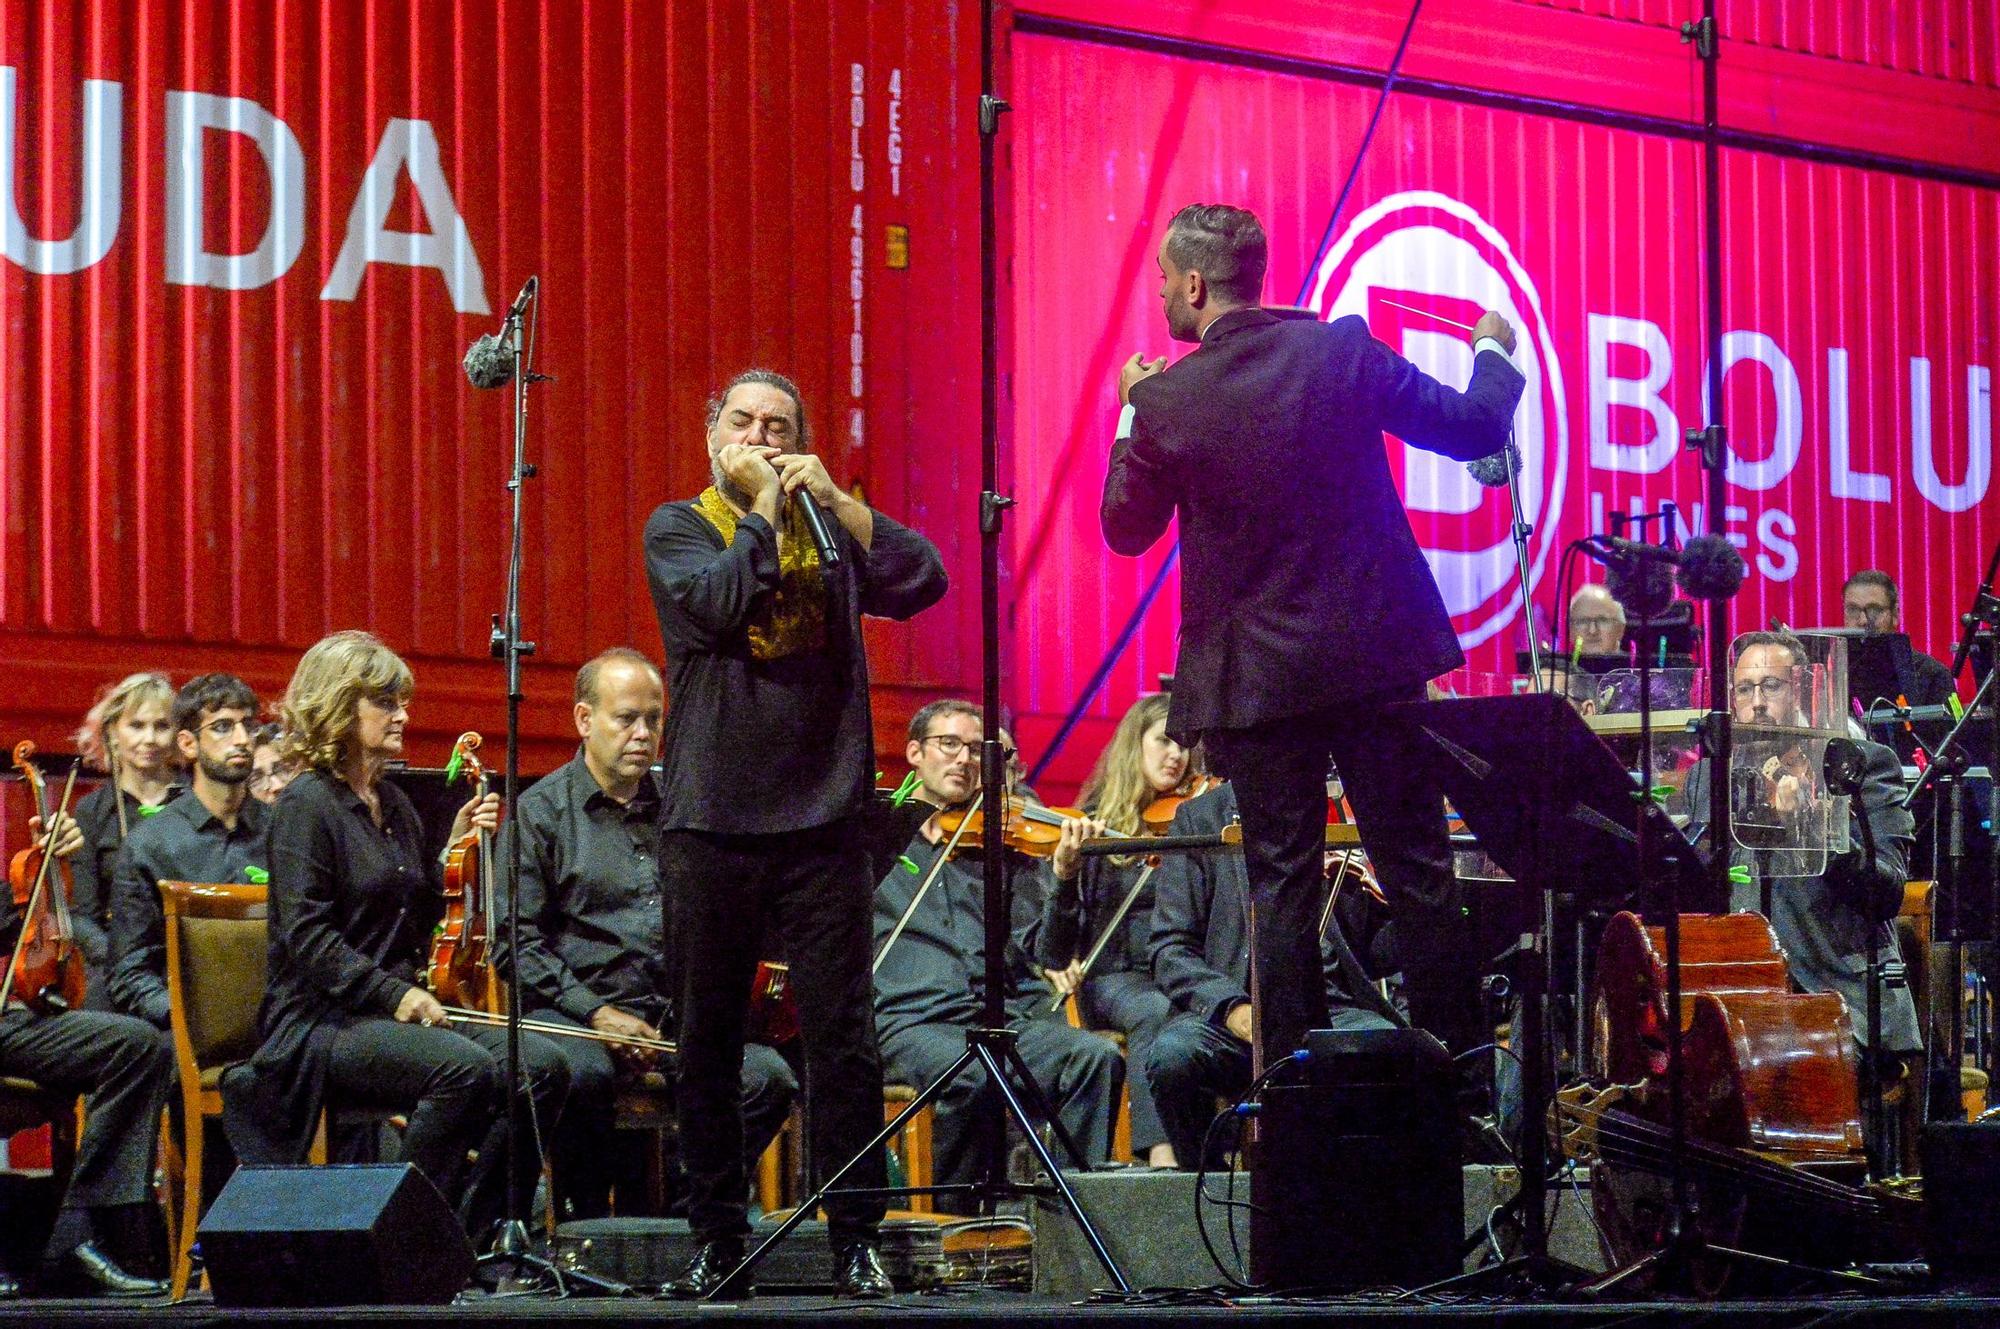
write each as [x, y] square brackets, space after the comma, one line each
[458, 971]
[1159, 814]
[1031, 829]
[47, 969]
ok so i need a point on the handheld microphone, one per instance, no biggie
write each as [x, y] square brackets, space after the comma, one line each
[822, 534]
[490, 363]
[1496, 470]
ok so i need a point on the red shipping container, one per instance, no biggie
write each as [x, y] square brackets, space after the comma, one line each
[246, 246]
[1861, 330]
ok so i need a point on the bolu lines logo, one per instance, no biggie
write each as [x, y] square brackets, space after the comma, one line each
[1434, 254]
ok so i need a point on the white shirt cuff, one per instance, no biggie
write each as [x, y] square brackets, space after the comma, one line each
[1490, 344]
[1125, 419]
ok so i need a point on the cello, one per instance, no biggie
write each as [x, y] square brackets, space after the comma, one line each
[46, 971]
[458, 972]
[1774, 1152]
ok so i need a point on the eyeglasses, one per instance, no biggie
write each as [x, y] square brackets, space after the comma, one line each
[1772, 686]
[948, 745]
[1594, 624]
[1871, 613]
[224, 728]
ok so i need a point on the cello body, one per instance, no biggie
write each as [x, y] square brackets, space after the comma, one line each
[1775, 1160]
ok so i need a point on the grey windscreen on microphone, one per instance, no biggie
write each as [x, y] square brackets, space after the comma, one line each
[1495, 470]
[487, 364]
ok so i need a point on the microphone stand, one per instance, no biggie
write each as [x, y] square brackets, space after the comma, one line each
[512, 1253]
[1523, 532]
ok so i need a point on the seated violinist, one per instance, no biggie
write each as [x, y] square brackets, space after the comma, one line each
[929, 988]
[354, 897]
[593, 949]
[124, 1070]
[213, 833]
[1201, 958]
[1138, 766]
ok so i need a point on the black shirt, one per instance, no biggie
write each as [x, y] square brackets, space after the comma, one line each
[936, 972]
[184, 841]
[352, 907]
[592, 931]
[352, 904]
[94, 867]
[1079, 909]
[763, 746]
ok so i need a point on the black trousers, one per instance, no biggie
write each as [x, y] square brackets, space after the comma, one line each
[124, 1068]
[456, 1079]
[1279, 771]
[592, 1156]
[1133, 1005]
[1078, 1070]
[811, 892]
[1193, 1063]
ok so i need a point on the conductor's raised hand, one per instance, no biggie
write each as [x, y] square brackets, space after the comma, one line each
[1491, 324]
[1133, 370]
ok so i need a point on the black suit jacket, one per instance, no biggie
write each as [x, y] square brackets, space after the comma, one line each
[1301, 582]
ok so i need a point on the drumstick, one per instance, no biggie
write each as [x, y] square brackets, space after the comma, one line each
[1412, 309]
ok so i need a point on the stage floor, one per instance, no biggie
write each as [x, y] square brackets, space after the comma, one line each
[990, 1309]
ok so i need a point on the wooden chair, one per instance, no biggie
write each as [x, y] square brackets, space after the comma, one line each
[1121, 1121]
[216, 949]
[912, 1144]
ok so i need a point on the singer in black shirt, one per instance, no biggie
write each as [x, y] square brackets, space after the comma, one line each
[770, 764]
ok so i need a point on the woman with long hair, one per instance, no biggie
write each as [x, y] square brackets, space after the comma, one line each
[354, 898]
[1139, 765]
[129, 735]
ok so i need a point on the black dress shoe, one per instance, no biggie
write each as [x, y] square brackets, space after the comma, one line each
[861, 1275]
[93, 1268]
[715, 1261]
[10, 1286]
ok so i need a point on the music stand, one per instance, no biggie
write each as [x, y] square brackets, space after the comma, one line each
[1557, 809]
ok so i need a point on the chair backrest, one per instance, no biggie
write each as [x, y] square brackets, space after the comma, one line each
[216, 953]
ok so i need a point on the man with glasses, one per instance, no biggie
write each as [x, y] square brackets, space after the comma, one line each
[270, 773]
[1825, 924]
[1596, 621]
[930, 986]
[214, 834]
[1870, 602]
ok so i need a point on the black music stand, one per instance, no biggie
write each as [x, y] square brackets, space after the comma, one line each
[1557, 809]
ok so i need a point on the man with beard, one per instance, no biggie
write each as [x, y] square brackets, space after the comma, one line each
[1307, 607]
[215, 834]
[770, 762]
[930, 988]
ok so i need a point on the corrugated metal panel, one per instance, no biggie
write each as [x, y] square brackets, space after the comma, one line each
[202, 477]
[1950, 39]
[1902, 81]
[1603, 224]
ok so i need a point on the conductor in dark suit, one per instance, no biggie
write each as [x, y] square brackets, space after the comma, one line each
[1306, 605]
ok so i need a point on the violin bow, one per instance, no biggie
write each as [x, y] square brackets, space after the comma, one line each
[1104, 937]
[936, 867]
[35, 894]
